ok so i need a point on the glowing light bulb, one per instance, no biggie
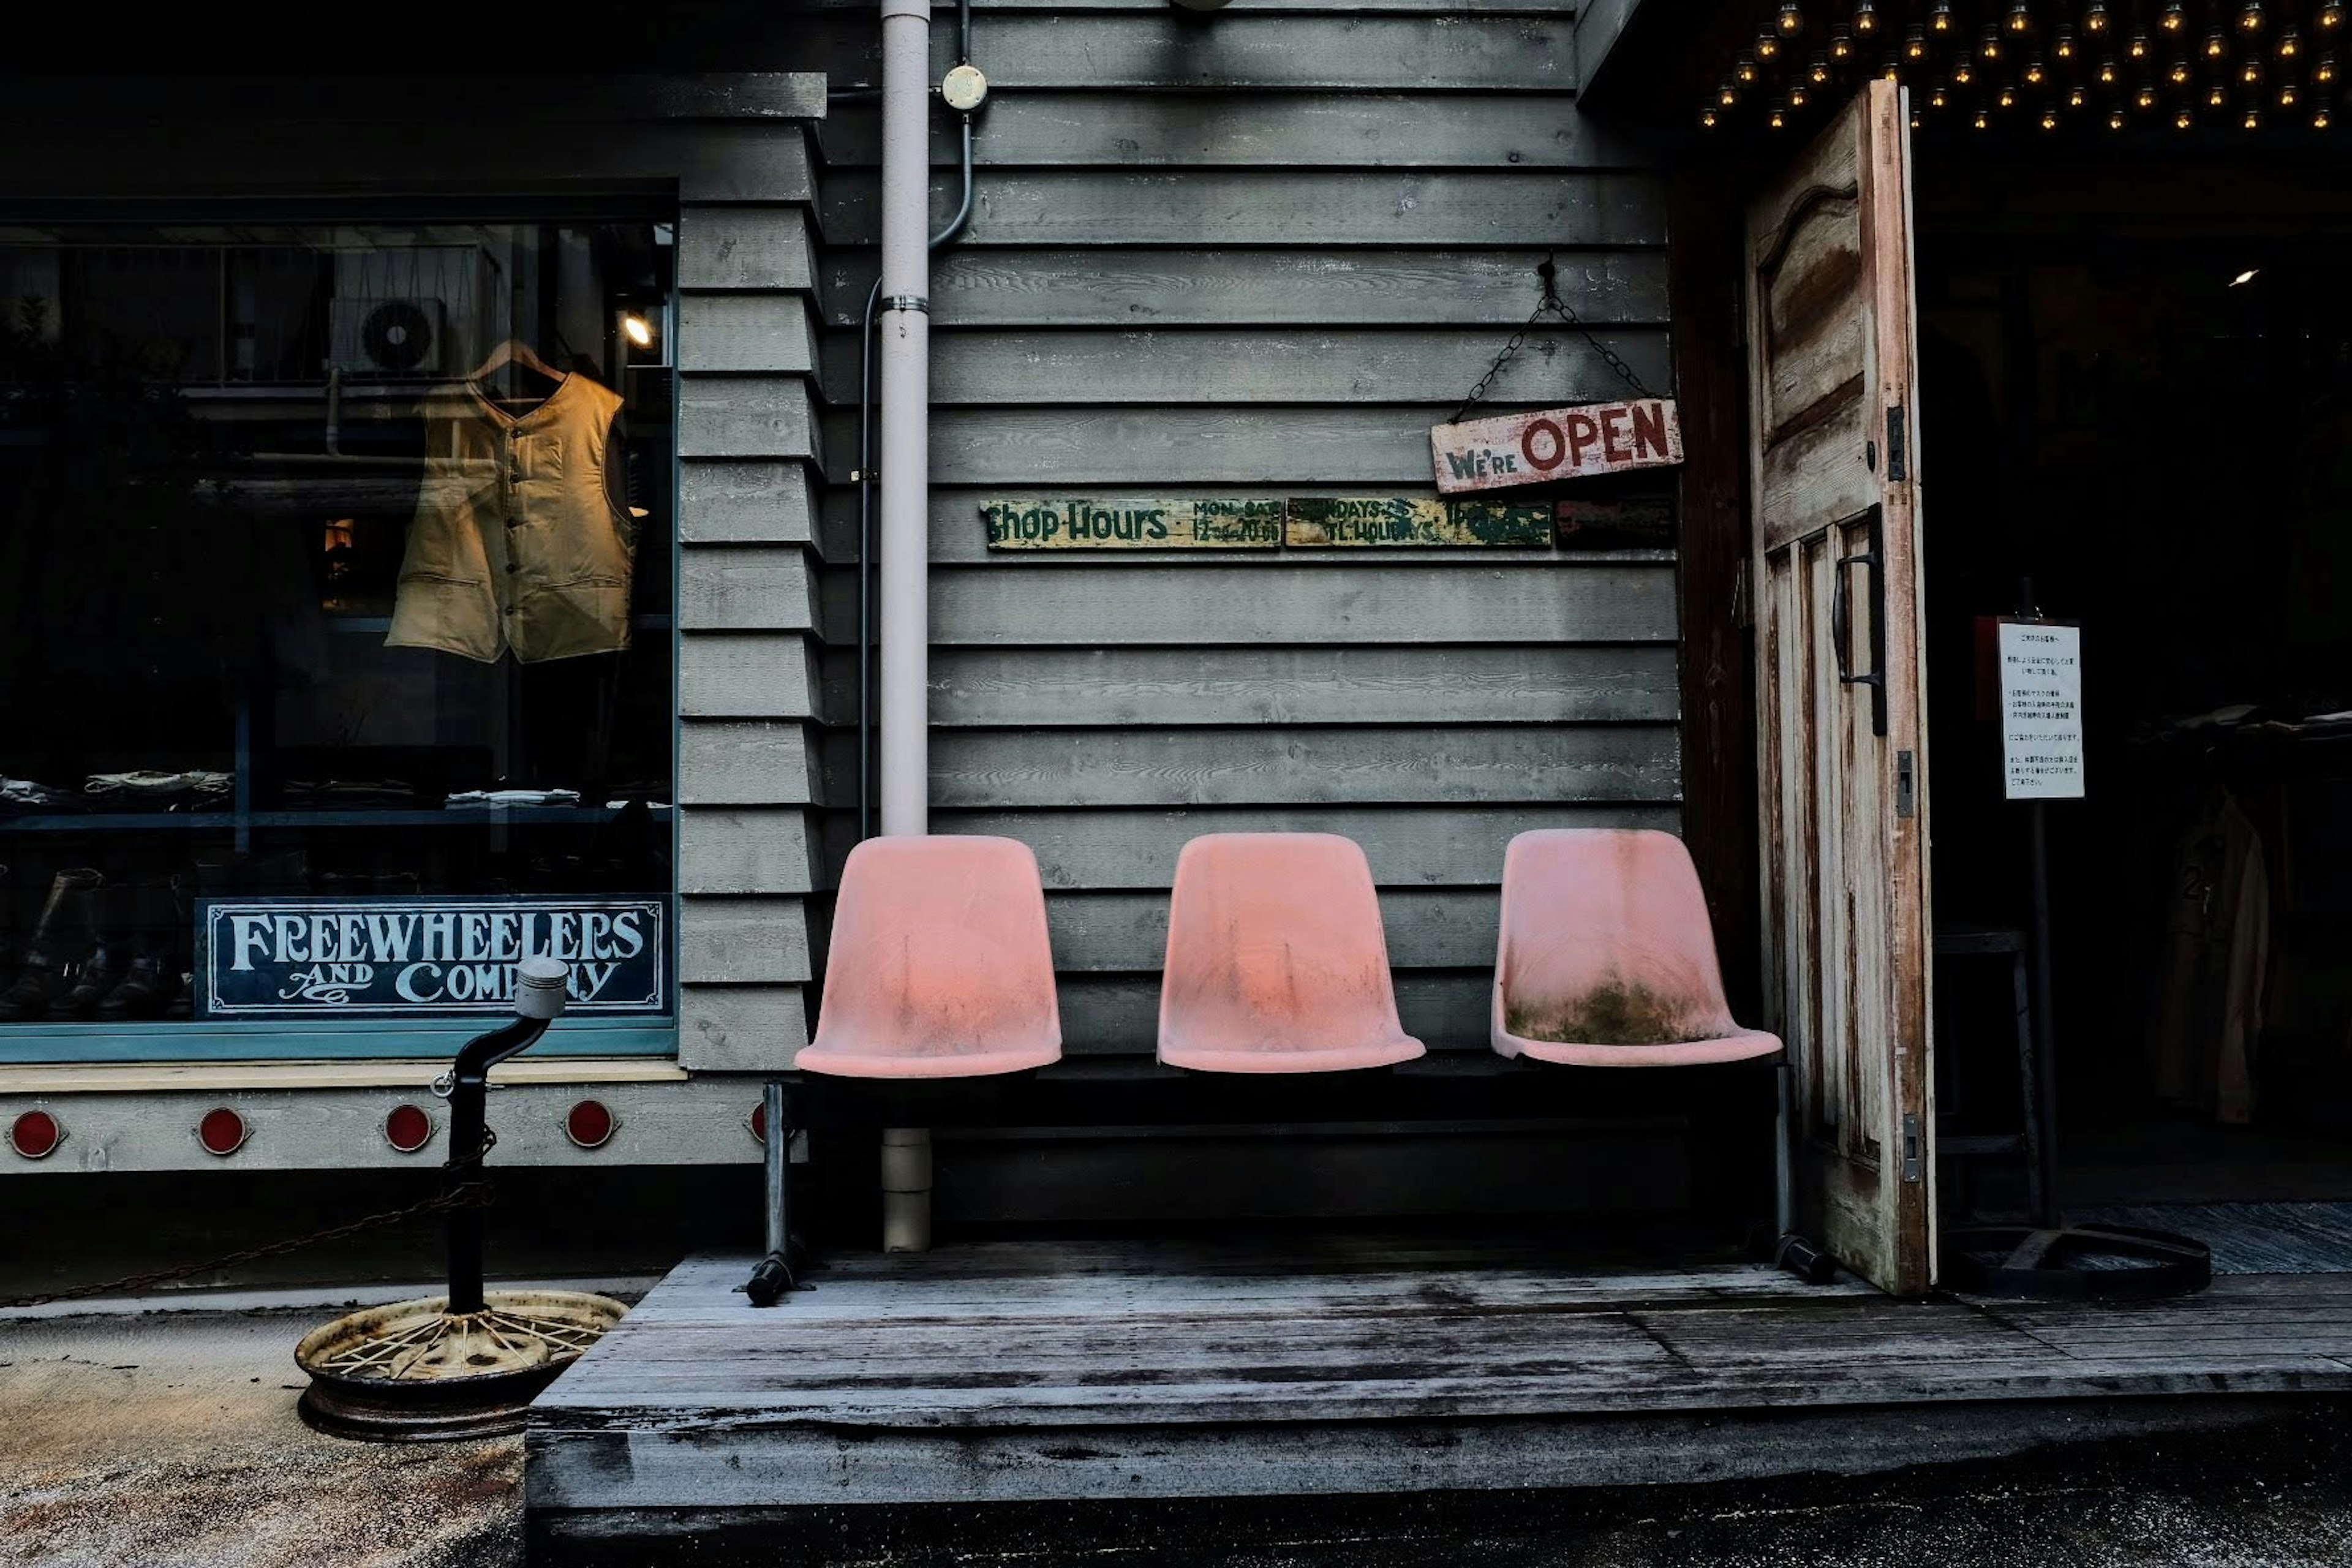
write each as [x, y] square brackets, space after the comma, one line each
[1792, 21]
[2290, 44]
[2331, 15]
[1706, 118]
[2322, 70]
[2319, 120]
[2063, 45]
[2094, 20]
[2049, 119]
[1767, 45]
[2107, 73]
[1796, 96]
[2287, 95]
[2179, 73]
[2020, 20]
[2216, 45]
[1938, 99]
[1915, 43]
[2033, 72]
[2138, 47]
[1889, 69]
[2253, 119]
[639, 331]
[1980, 120]
[2074, 99]
[1777, 119]
[1988, 46]
[2116, 120]
[2250, 19]
[1963, 73]
[1840, 44]
[1744, 70]
[1727, 95]
[2145, 99]
[1865, 18]
[2183, 120]
[1819, 74]
[1940, 17]
[2251, 72]
[2216, 95]
[2176, 16]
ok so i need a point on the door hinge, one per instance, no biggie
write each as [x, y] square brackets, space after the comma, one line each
[1911, 1151]
[1897, 470]
[1906, 786]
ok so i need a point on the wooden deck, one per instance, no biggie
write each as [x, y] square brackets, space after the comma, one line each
[1004, 1371]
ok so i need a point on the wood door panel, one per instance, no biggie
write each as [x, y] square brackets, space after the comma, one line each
[1843, 794]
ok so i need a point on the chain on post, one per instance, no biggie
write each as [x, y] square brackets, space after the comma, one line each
[1552, 304]
[459, 1194]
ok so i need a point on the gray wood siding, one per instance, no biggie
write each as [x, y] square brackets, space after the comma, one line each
[1258, 254]
[750, 688]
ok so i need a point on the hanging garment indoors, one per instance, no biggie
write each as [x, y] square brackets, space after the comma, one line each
[2210, 1016]
[522, 540]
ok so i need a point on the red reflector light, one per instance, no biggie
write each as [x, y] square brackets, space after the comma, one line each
[590, 1124]
[36, 1135]
[759, 1122]
[408, 1129]
[222, 1131]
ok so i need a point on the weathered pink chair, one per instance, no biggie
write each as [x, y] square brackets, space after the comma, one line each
[1607, 958]
[1277, 960]
[939, 966]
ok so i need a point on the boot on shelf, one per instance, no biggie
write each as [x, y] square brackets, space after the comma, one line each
[150, 981]
[63, 940]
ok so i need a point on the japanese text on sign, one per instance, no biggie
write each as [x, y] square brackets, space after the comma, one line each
[2042, 711]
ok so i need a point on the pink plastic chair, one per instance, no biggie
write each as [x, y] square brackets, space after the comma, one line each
[939, 966]
[1277, 960]
[1607, 957]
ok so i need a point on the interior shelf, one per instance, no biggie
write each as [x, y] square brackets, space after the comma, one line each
[386, 816]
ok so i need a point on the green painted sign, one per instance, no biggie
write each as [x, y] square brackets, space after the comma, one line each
[1323, 521]
[1133, 524]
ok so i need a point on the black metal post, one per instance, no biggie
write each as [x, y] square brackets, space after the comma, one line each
[2045, 1053]
[774, 1275]
[470, 1088]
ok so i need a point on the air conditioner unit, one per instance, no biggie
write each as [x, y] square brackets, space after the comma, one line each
[392, 337]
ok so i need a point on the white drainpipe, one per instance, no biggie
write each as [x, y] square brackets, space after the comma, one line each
[906, 355]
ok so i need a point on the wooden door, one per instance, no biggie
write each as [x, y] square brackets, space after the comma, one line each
[1840, 745]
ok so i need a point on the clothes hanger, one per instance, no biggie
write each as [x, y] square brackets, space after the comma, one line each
[515, 352]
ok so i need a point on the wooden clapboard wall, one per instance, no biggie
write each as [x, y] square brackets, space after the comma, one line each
[1259, 254]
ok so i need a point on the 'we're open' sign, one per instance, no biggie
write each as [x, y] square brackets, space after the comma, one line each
[1556, 444]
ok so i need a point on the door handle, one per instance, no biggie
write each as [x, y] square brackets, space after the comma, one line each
[1872, 559]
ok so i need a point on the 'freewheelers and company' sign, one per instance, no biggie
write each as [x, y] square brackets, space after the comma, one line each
[1556, 444]
[417, 957]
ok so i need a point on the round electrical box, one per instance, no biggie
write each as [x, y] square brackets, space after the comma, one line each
[964, 88]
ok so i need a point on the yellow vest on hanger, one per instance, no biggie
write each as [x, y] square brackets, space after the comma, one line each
[518, 542]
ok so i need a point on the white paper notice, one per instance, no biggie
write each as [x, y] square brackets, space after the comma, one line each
[2041, 712]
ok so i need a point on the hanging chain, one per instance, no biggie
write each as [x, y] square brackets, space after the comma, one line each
[1552, 304]
[474, 1194]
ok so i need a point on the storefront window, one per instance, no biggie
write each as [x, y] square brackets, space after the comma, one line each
[336, 662]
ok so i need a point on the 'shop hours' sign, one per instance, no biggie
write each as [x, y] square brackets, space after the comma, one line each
[420, 957]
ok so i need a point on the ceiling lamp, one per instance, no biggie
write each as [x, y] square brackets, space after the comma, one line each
[2138, 47]
[2107, 73]
[2319, 120]
[2253, 119]
[1707, 117]
[2290, 44]
[2251, 72]
[1727, 95]
[1865, 18]
[2176, 16]
[1777, 119]
[2249, 18]
[2145, 99]
[1988, 46]
[1915, 43]
[2179, 73]
[2094, 19]
[1841, 42]
[2116, 120]
[1963, 73]
[1743, 70]
[2074, 99]
[2322, 70]
[2216, 45]
[1792, 21]
[1940, 17]
[2063, 45]
[2183, 120]
[1797, 96]
[2020, 20]
[1767, 45]
[1819, 75]
[2331, 15]
[2033, 71]
[1980, 120]
[1938, 99]
[2049, 119]
[2217, 97]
